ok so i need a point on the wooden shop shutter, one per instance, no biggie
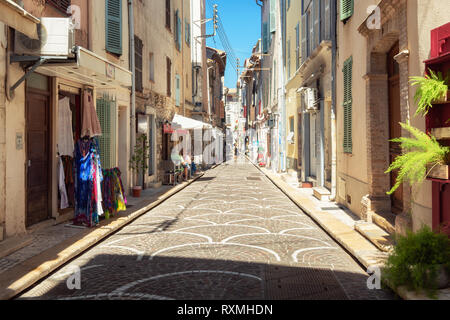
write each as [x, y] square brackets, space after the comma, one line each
[348, 101]
[107, 112]
[114, 26]
[346, 9]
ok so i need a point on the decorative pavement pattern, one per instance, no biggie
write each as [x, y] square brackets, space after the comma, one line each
[230, 235]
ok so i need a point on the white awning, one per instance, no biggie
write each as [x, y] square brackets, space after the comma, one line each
[180, 122]
[18, 18]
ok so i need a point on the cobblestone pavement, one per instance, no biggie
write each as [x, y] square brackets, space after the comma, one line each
[230, 235]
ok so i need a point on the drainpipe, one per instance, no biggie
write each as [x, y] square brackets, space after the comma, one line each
[133, 81]
[333, 102]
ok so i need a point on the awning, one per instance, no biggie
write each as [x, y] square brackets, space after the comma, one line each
[90, 69]
[18, 18]
[180, 122]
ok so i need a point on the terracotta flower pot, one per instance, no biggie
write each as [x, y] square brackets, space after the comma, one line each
[307, 185]
[137, 191]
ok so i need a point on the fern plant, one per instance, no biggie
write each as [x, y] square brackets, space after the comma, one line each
[431, 88]
[419, 152]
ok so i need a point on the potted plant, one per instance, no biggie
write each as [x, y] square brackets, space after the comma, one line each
[421, 155]
[432, 88]
[139, 161]
[419, 261]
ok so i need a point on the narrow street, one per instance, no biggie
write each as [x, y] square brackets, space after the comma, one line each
[230, 235]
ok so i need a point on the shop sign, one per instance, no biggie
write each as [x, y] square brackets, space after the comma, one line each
[168, 128]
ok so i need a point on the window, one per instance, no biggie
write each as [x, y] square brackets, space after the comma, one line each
[347, 7]
[138, 66]
[291, 124]
[61, 5]
[151, 64]
[169, 77]
[114, 26]
[347, 70]
[168, 25]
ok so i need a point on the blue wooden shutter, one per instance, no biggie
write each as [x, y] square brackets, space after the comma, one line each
[113, 18]
[348, 101]
[317, 36]
[297, 46]
[326, 20]
[346, 9]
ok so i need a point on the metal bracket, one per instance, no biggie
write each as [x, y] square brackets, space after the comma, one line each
[27, 74]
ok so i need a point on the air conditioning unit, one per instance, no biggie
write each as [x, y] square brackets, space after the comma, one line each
[312, 102]
[56, 38]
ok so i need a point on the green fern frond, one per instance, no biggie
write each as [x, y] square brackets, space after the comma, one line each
[431, 88]
[418, 152]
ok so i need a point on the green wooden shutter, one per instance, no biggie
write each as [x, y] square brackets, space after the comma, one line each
[273, 23]
[346, 9]
[113, 18]
[265, 37]
[289, 58]
[107, 112]
[348, 101]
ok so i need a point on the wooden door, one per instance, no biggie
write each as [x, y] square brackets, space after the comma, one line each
[38, 182]
[394, 126]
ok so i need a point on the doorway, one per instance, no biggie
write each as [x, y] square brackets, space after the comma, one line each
[38, 173]
[394, 126]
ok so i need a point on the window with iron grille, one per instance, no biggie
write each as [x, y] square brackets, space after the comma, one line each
[61, 5]
[138, 67]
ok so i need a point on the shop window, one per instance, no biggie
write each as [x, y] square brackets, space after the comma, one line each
[107, 112]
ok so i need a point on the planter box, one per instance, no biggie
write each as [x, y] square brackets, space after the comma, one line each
[439, 172]
[441, 133]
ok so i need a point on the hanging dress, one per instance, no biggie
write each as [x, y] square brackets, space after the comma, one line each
[87, 178]
[65, 133]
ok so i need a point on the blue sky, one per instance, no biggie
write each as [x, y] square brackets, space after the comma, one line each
[241, 20]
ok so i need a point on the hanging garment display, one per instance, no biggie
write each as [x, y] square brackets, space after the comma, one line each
[114, 199]
[91, 125]
[62, 186]
[88, 175]
[65, 133]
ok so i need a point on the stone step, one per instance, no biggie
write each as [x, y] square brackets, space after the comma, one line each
[380, 238]
[322, 193]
